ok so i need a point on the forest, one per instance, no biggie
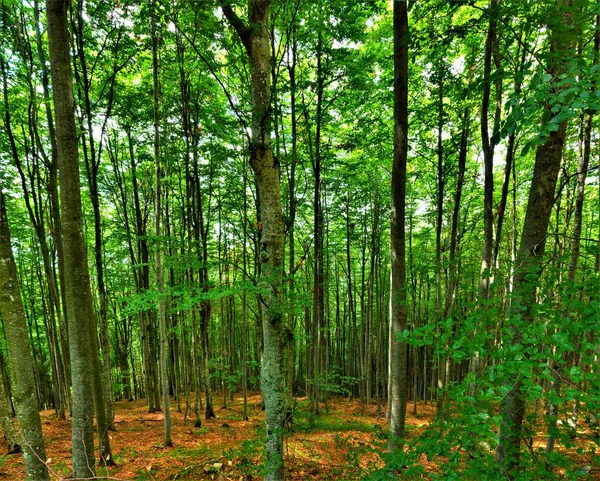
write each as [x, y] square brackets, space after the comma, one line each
[300, 239]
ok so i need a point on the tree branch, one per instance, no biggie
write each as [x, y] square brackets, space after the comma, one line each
[238, 24]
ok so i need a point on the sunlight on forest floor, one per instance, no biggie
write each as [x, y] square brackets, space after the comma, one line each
[342, 444]
[345, 443]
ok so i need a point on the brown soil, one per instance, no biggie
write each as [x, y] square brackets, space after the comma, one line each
[346, 441]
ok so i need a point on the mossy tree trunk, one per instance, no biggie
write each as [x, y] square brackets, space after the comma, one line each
[255, 38]
[20, 359]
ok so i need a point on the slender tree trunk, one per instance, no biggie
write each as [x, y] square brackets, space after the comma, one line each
[245, 301]
[398, 311]
[77, 280]
[255, 37]
[440, 198]
[65, 362]
[196, 371]
[292, 217]
[104, 407]
[158, 264]
[510, 155]
[33, 203]
[487, 257]
[318, 311]
[485, 279]
[143, 275]
[454, 237]
[583, 165]
[6, 420]
[20, 359]
[441, 180]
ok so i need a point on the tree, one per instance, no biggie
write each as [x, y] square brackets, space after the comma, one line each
[533, 238]
[398, 360]
[158, 263]
[488, 159]
[255, 38]
[78, 295]
[20, 359]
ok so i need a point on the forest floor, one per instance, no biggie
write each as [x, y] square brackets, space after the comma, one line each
[344, 443]
[226, 447]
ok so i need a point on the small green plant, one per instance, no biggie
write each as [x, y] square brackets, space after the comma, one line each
[137, 428]
[248, 457]
[145, 475]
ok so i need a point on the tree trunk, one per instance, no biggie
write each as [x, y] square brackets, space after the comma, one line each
[77, 280]
[533, 242]
[158, 264]
[6, 420]
[485, 279]
[20, 359]
[398, 313]
[291, 346]
[318, 307]
[142, 276]
[453, 276]
[92, 157]
[585, 141]
[65, 363]
[35, 210]
[255, 37]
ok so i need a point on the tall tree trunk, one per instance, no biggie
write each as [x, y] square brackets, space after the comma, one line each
[20, 359]
[142, 276]
[440, 197]
[65, 371]
[33, 203]
[77, 280]
[291, 352]
[318, 307]
[533, 241]
[510, 156]
[158, 264]
[92, 157]
[398, 312]
[583, 164]
[255, 37]
[244, 359]
[585, 141]
[485, 279]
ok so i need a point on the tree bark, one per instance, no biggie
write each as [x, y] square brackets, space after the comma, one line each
[35, 210]
[158, 262]
[255, 37]
[533, 242]
[65, 362]
[6, 419]
[77, 280]
[92, 157]
[485, 279]
[453, 276]
[20, 358]
[585, 141]
[398, 312]
[318, 307]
